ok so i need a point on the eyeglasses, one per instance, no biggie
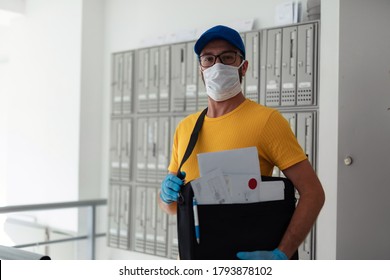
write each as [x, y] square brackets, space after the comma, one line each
[228, 58]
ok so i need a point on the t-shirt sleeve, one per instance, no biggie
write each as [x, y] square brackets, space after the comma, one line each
[281, 145]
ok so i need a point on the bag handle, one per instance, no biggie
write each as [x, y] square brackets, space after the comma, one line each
[192, 142]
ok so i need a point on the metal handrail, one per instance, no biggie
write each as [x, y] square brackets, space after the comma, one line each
[55, 205]
[10, 253]
[91, 234]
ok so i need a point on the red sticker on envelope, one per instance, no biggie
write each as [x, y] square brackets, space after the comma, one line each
[252, 183]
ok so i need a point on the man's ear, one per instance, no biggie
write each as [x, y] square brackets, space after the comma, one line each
[201, 73]
[244, 67]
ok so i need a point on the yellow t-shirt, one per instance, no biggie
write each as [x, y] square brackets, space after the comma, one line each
[250, 124]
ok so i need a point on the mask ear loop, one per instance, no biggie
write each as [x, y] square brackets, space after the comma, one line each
[241, 75]
[242, 63]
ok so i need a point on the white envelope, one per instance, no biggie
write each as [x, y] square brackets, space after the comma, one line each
[211, 188]
[244, 188]
[271, 190]
[247, 188]
[241, 170]
[243, 161]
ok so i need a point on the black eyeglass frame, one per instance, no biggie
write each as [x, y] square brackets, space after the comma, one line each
[236, 53]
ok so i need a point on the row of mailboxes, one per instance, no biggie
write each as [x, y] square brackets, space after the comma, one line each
[148, 159]
[282, 72]
[154, 88]
[137, 223]
[155, 231]
[119, 216]
[289, 65]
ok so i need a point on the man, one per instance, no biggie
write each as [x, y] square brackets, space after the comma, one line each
[233, 122]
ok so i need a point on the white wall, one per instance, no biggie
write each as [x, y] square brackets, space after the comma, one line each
[91, 117]
[51, 106]
[16, 6]
[91, 98]
[4, 62]
[43, 101]
[328, 127]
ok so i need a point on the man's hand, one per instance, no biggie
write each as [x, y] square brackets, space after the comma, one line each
[170, 188]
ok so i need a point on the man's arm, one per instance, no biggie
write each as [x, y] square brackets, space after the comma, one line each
[169, 191]
[311, 200]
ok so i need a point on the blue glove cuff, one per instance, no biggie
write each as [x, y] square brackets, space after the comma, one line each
[165, 201]
[279, 254]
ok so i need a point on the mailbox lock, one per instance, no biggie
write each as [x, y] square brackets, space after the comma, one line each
[348, 161]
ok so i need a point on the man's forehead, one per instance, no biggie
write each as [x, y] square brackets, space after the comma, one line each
[218, 45]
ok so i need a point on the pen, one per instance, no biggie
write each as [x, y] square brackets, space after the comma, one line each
[196, 219]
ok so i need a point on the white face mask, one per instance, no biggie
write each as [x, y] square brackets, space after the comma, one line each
[222, 81]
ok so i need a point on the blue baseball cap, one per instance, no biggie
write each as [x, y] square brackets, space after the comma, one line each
[220, 32]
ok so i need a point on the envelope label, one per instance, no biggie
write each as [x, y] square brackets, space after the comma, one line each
[252, 183]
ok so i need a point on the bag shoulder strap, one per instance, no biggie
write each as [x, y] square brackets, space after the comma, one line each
[193, 139]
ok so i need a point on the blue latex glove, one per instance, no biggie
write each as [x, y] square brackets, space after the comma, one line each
[262, 255]
[170, 187]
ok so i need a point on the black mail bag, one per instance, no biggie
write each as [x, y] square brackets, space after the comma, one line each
[226, 229]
